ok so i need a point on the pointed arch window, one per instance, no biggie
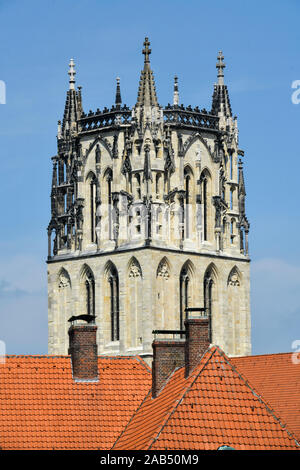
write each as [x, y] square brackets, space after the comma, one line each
[108, 176]
[61, 172]
[159, 216]
[113, 280]
[90, 293]
[187, 202]
[234, 302]
[188, 187]
[137, 180]
[208, 289]
[231, 166]
[164, 290]
[128, 182]
[184, 294]
[65, 202]
[167, 181]
[135, 297]
[204, 199]
[158, 185]
[109, 205]
[92, 207]
[232, 231]
[224, 232]
[205, 181]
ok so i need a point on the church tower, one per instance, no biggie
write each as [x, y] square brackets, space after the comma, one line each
[148, 218]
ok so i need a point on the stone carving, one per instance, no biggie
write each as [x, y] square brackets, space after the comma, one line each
[192, 138]
[135, 270]
[234, 279]
[64, 280]
[163, 270]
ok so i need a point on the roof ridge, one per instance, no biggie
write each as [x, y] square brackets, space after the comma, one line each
[117, 357]
[261, 355]
[67, 356]
[199, 356]
[37, 356]
[143, 362]
[191, 381]
[131, 418]
[269, 409]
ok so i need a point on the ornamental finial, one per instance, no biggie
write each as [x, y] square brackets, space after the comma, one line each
[146, 50]
[220, 66]
[176, 93]
[118, 100]
[72, 74]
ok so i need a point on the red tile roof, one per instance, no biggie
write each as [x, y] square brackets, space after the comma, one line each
[277, 378]
[42, 407]
[213, 406]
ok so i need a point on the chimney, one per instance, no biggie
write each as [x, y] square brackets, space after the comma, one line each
[83, 351]
[197, 337]
[168, 354]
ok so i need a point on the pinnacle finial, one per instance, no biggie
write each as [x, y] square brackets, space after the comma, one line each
[176, 93]
[72, 74]
[146, 50]
[118, 93]
[220, 66]
[241, 178]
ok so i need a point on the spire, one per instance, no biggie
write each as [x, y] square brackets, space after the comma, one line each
[73, 106]
[146, 93]
[221, 102]
[176, 93]
[118, 93]
[72, 74]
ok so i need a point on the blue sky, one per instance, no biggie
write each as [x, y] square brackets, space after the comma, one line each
[260, 42]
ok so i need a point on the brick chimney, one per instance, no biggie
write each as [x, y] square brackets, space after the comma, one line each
[168, 354]
[197, 338]
[83, 350]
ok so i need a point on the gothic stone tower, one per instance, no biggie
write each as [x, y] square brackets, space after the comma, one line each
[147, 218]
